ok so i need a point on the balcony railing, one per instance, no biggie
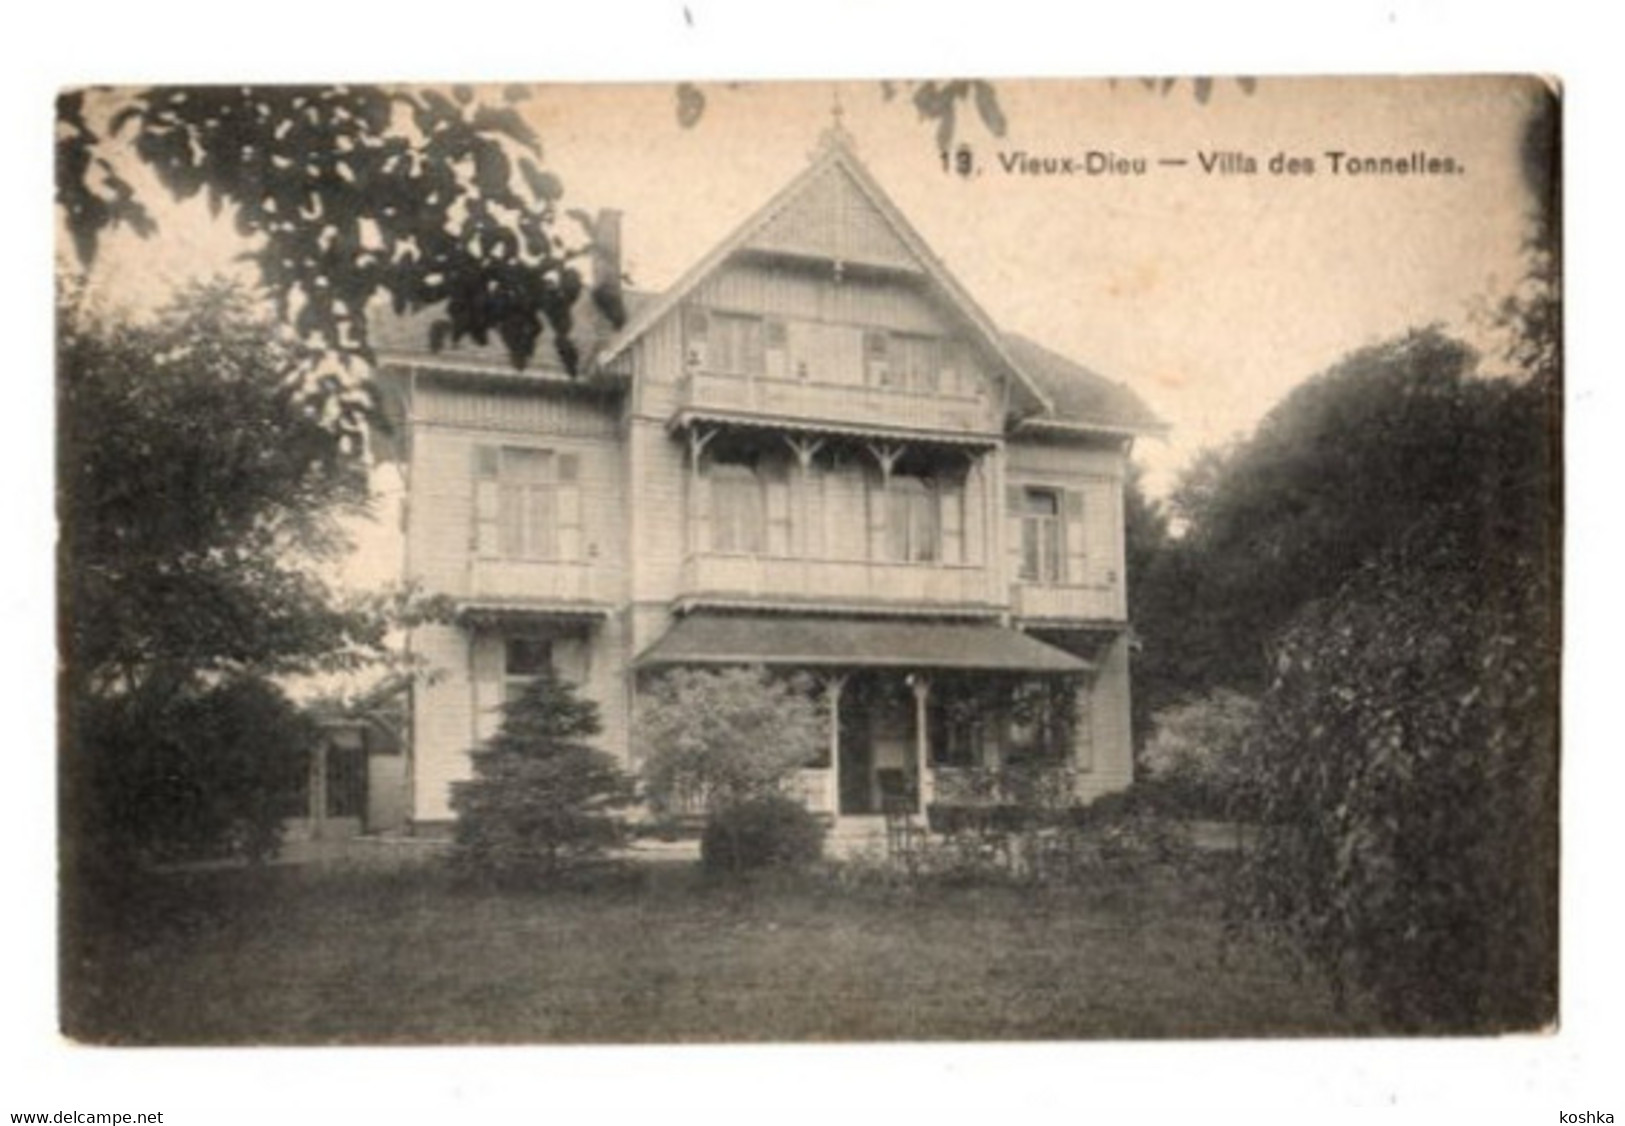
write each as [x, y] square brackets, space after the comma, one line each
[535, 580]
[838, 403]
[838, 580]
[1076, 601]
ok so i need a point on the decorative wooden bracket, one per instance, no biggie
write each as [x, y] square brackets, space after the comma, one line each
[886, 455]
[805, 449]
[698, 439]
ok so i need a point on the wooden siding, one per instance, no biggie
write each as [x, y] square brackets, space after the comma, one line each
[801, 295]
[832, 218]
[563, 411]
[441, 528]
[1094, 586]
[658, 470]
[459, 705]
[1107, 712]
[442, 720]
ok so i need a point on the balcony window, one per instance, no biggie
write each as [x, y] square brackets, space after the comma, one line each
[918, 363]
[1041, 536]
[913, 521]
[737, 519]
[728, 343]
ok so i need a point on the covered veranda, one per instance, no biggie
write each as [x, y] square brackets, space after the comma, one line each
[896, 691]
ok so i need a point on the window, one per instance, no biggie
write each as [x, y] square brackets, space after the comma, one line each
[918, 363]
[736, 509]
[526, 503]
[913, 527]
[1041, 536]
[903, 362]
[524, 659]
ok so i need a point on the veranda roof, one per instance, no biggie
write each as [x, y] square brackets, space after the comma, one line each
[715, 639]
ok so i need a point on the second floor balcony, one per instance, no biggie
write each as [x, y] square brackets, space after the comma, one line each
[919, 587]
[838, 404]
[1068, 602]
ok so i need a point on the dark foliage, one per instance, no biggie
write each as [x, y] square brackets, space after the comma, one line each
[1409, 785]
[767, 831]
[543, 802]
[194, 487]
[416, 195]
[195, 490]
[1350, 460]
[207, 773]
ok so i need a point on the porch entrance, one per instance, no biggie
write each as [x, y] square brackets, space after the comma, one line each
[879, 764]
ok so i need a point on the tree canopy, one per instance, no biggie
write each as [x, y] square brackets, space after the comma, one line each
[347, 195]
[1372, 449]
[196, 491]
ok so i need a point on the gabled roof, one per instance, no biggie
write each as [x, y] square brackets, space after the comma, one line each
[1067, 395]
[1082, 399]
[836, 156]
[408, 335]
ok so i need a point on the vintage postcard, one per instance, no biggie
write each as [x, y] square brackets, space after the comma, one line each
[979, 559]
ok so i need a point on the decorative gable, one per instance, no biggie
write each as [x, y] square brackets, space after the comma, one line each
[831, 217]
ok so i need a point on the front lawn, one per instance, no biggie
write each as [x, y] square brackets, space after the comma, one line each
[307, 955]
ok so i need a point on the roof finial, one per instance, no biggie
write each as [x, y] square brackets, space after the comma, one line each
[836, 134]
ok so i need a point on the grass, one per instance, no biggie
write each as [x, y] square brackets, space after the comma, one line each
[306, 955]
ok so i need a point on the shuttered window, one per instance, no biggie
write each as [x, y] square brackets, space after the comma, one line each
[903, 361]
[736, 345]
[527, 504]
[1052, 537]
[917, 361]
[1041, 536]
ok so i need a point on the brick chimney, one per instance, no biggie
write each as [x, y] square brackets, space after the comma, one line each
[606, 252]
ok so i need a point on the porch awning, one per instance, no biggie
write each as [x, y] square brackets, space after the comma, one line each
[500, 612]
[713, 639]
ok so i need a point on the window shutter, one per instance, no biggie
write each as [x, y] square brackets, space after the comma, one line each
[975, 506]
[778, 349]
[876, 359]
[878, 500]
[569, 507]
[484, 533]
[1077, 539]
[488, 658]
[697, 345]
[952, 522]
[1015, 497]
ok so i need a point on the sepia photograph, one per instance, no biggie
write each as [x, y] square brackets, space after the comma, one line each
[709, 562]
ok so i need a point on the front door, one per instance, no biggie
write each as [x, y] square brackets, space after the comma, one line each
[877, 745]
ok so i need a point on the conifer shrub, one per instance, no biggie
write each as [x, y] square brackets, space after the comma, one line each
[543, 801]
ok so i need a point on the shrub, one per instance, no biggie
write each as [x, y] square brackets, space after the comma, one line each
[1408, 831]
[542, 801]
[723, 736]
[1196, 759]
[206, 774]
[769, 831]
